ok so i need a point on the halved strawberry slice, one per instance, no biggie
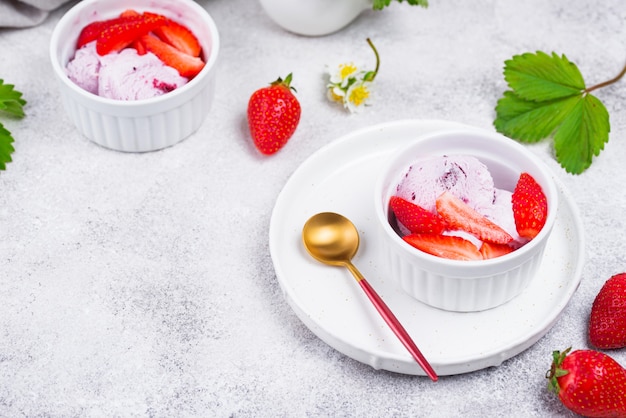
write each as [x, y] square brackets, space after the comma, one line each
[530, 206]
[125, 30]
[186, 65]
[491, 250]
[139, 47]
[180, 37]
[460, 215]
[92, 31]
[446, 246]
[415, 218]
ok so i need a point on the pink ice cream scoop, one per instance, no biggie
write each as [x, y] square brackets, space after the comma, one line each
[465, 177]
[84, 68]
[122, 76]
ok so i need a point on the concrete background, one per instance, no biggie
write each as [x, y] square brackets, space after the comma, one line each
[142, 285]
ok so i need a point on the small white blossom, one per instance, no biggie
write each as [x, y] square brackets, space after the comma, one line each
[343, 74]
[358, 95]
[351, 86]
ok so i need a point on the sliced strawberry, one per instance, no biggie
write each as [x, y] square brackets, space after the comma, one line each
[186, 65]
[92, 31]
[123, 32]
[491, 250]
[460, 215]
[139, 47]
[180, 37]
[446, 246]
[530, 206]
[415, 218]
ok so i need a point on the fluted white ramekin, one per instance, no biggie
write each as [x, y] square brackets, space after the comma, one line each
[455, 285]
[141, 125]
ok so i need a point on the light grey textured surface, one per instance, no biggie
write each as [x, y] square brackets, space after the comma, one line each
[141, 284]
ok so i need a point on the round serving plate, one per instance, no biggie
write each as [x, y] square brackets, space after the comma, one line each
[340, 177]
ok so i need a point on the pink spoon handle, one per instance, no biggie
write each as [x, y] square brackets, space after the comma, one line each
[397, 328]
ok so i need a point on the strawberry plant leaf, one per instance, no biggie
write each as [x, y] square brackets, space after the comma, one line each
[381, 4]
[11, 103]
[582, 134]
[529, 121]
[11, 100]
[6, 147]
[548, 98]
[542, 77]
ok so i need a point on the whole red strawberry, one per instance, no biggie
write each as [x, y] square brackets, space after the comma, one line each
[273, 115]
[589, 383]
[530, 206]
[607, 322]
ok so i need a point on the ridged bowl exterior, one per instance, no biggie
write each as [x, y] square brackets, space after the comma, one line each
[142, 125]
[461, 294]
[453, 285]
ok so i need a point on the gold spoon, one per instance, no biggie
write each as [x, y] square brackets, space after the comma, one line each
[332, 239]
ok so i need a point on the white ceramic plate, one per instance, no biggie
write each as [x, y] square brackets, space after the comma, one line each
[340, 178]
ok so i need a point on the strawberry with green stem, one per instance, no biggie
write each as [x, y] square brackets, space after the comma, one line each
[273, 115]
[589, 383]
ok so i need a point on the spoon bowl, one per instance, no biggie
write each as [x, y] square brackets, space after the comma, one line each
[333, 239]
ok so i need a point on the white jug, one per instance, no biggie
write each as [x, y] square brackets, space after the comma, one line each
[314, 17]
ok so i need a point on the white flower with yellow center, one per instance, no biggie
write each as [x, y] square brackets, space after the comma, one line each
[351, 86]
[344, 73]
[358, 95]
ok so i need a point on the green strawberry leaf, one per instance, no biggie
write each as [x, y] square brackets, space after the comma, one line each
[6, 147]
[542, 77]
[582, 134]
[529, 121]
[11, 100]
[548, 98]
[381, 4]
[11, 103]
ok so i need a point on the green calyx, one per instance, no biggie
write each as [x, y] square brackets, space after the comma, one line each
[286, 82]
[556, 371]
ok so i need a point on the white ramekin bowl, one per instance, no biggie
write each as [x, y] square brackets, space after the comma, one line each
[454, 285]
[141, 125]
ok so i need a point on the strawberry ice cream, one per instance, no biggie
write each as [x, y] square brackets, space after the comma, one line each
[135, 56]
[122, 76]
[466, 178]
